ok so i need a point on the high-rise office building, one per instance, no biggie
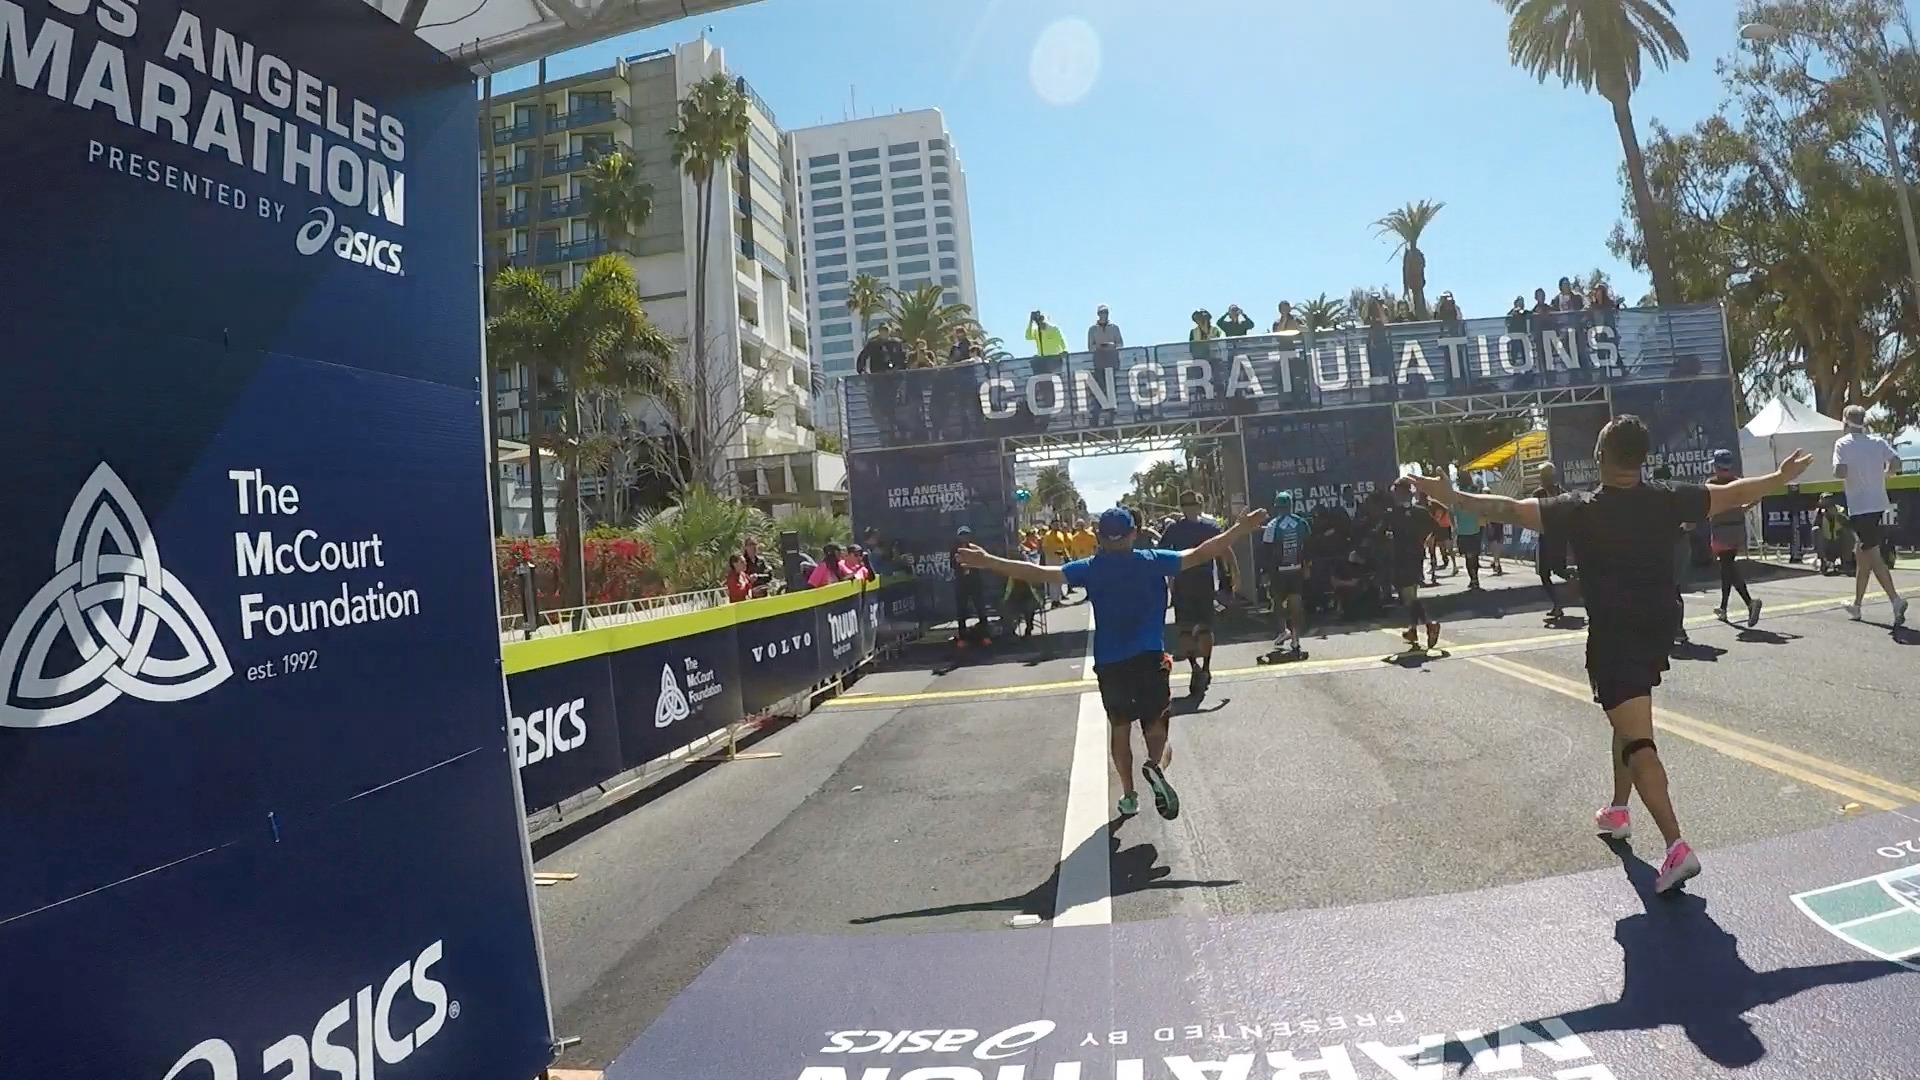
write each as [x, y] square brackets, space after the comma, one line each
[884, 196]
[535, 179]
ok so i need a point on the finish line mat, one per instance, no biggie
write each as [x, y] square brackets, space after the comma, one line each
[1795, 957]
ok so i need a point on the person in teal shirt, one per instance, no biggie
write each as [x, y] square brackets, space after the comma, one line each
[1466, 536]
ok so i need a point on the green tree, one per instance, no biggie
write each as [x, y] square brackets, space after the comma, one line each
[1407, 224]
[618, 201]
[693, 540]
[1600, 46]
[711, 129]
[594, 335]
[1053, 488]
[817, 528]
[866, 297]
[1323, 313]
[925, 322]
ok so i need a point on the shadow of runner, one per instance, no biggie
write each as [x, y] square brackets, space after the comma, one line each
[1136, 869]
[1682, 969]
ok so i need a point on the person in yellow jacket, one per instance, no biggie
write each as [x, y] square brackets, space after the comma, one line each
[1082, 542]
[1046, 337]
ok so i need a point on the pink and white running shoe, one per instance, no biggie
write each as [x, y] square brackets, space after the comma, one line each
[1681, 865]
[1612, 822]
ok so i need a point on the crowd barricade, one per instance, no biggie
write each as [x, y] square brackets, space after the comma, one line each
[1771, 524]
[594, 705]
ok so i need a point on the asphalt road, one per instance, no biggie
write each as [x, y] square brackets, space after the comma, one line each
[942, 797]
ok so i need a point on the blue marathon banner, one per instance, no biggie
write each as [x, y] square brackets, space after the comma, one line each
[837, 632]
[918, 499]
[1778, 512]
[1686, 422]
[1327, 459]
[674, 692]
[563, 727]
[1271, 374]
[778, 653]
[250, 703]
[1573, 431]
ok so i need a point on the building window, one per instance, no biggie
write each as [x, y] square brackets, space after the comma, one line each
[818, 160]
[938, 159]
[827, 296]
[907, 181]
[870, 237]
[828, 243]
[863, 170]
[868, 221]
[866, 187]
[943, 211]
[903, 148]
[871, 255]
[944, 228]
[949, 279]
[915, 283]
[868, 204]
[836, 225]
[949, 297]
[836, 329]
[832, 209]
[826, 193]
[945, 245]
[943, 194]
[936, 144]
[918, 266]
[863, 155]
[834, 277]
[908, 250]
[912, 233]
[908, 198]
[939, 176]
[834, 311]
[903, 164]
[948, 264]
[836, 348]
[839, 259]
[826, 177]
[910, 215]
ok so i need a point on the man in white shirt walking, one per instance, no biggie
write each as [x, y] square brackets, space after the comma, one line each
[1863, 462]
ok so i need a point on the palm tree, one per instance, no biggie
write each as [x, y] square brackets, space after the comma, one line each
[994, 349]
[1407, 223]
[692, 541]
[923, 321]
[817, 528]
[712, 128]
[1322, 313]
[1599, 45]
[1053, 488]
[592, 336]
[866, 297]
[618, 201]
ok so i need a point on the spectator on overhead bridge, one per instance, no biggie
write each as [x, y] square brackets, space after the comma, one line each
[1235, 322]
[1046, 337]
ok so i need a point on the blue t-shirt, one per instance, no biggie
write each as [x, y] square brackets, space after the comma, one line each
[1129, 594]
[1288, 535]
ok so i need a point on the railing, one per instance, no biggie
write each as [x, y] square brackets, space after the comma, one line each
[587, 115]
[505, 134]
[560, 621]
[568, 207]
[518, 173]
[513, 217]
[572, 251]
[581, 159]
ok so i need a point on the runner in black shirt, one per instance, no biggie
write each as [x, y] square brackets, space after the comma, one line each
[1622, 535]
[1193, 590]
[1550, 553]
[1410, 527]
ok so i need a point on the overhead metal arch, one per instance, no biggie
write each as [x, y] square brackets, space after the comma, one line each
[493, 35]
[1446, 410]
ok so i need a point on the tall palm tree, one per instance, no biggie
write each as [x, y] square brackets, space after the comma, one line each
[1053, 488]
[711, 129]
[866, 297]
[923, 321]
[1599, 46]
[618, 201]
[1322, 313]
[594, 335]
[1407, 223]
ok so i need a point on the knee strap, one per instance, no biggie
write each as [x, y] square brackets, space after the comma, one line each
[1633, 747]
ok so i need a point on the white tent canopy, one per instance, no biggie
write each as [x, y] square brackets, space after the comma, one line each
[1786, 425]
[494, 35]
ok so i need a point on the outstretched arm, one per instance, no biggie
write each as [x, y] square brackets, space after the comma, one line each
[1221, 545]
[1522, 512]
[1751, 489]
[976, 558]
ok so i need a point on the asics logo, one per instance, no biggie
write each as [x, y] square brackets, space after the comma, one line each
[315, 233]
[359, 248]
[116, 606]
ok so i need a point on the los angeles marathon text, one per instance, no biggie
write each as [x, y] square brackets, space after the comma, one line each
[262, 553]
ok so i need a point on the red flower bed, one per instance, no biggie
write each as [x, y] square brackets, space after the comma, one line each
[618, 567]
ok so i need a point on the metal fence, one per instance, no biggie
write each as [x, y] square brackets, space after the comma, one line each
[559, 621]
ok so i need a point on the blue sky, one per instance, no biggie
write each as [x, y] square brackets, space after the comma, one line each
[1235, 153]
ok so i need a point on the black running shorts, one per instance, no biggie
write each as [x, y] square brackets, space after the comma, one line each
[1625, 660]
[1286, 582]
[1136, 689]
[1470, 544]
[1192, 605]
[1868, 529]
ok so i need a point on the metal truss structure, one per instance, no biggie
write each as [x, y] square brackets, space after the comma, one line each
[1124, 439]
[1528, 403]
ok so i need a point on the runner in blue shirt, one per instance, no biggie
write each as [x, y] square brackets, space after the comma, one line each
[1284, 551]
[1128, 591]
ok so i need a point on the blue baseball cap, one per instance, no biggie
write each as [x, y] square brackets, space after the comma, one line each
[1723, 459]
[1116, 523]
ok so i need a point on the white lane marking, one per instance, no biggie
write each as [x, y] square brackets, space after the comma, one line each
[1083, 895]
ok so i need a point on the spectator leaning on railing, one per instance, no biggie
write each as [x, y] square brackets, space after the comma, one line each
[1287, 322]
[1046, 337]
[759, 569]
[1105, 343]
[1235, 322]
[961, 348]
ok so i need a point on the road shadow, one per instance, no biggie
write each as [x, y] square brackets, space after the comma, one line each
[1756, 636]
[1189, 705]
[1416, 659]
[1134, 869]
[1681, 968]
[1696, 651]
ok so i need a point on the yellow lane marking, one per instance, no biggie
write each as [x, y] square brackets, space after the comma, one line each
[1696, 620]
[1771, 756]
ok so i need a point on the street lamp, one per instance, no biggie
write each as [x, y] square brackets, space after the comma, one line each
[1760, 31]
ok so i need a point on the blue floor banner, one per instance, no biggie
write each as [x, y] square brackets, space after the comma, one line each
[1330, 459]
[249, 683]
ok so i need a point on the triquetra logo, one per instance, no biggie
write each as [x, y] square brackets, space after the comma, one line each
[116, 606]
[673, 705]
